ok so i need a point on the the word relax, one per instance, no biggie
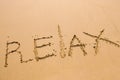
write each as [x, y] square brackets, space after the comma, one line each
[62, 51]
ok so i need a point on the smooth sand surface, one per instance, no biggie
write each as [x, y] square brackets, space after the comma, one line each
[24, 20]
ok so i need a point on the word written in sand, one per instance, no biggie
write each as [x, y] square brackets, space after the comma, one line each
[62, 47]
